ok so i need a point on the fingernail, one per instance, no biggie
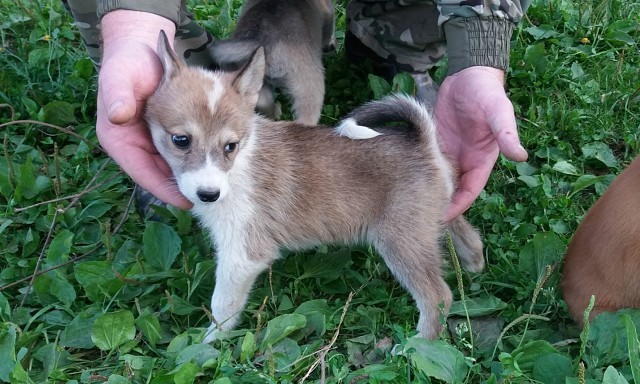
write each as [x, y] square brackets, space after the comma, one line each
[114, 106]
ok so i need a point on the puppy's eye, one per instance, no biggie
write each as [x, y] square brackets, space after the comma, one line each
[230, 147]
[181, 141]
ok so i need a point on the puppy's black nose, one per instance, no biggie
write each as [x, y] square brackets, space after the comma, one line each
[208, 196]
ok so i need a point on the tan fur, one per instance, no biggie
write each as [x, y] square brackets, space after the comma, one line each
[603, 258]
[294, 186]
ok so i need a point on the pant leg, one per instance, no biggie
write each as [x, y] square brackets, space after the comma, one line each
[404, 34]
[191, 40]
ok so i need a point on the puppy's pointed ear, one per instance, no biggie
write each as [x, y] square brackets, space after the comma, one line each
[250, 78]
[171, 63]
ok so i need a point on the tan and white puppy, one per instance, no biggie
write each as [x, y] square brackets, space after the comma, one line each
[294, 33]
[259, 186]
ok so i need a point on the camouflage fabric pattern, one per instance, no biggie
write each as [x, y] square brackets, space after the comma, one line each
[410, 33]
[191, 40]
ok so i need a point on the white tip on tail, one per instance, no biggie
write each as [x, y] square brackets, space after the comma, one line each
[349, 128]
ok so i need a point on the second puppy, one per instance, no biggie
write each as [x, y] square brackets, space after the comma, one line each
[259, 186]
[293, 33]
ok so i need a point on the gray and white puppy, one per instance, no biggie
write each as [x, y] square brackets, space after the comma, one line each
[259, 186]
[294, 33]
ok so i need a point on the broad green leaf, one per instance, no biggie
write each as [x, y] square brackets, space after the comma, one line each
[78, 333]
[531, 181]
[283, 354]
[536, 56]
[97, 279]
[248, 348]
[7, 351]
[612, 376]
[552, 368]
[149, 324]
[60, 247]
[437, 359]
[566, 168]
[53, 287]
[326, 265]
[543, 31]
[620, 37]
[198, 354]
[161, 245]
[600, 151]
[113, 329]
[478, 306]
[51, 356]
[26, 186]
[184, 340]
[281, 327]
[576, 71]
[525, 169]
[84, 68]
[544, 249]
[186, 373]
[403, 82]
[525, 357]
[179, 306]
[117, 379]
[634, 346]
[607, 339]
[379, 86]
[583, 182]
[59, 113]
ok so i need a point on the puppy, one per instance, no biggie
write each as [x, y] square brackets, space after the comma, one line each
[603, 257]
[293, 33]
[259, 185]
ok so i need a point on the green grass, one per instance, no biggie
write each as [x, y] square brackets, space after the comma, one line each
[125, 300]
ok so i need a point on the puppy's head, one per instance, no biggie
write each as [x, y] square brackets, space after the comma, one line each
[201, 121]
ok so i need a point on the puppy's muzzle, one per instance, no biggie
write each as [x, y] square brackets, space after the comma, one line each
[208, 196]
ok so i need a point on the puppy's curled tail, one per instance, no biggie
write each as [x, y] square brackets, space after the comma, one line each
[398, 108]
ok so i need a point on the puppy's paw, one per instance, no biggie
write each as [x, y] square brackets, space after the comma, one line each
[210, 336]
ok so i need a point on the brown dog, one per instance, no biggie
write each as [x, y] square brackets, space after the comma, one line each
[603, 258]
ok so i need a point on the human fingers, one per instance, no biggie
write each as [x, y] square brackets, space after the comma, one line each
[469, 187]
[502, 121]
[116, 91]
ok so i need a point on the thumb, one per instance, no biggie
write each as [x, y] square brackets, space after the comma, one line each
[504, 128]
[118, 99]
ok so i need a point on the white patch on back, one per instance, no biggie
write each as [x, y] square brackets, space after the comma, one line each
[349, 128]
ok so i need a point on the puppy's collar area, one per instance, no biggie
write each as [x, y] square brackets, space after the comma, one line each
[350, 128]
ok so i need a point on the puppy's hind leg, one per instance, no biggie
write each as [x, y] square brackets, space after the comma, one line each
[306, 88]
[467, 243]
[412, 255]
[236, 272]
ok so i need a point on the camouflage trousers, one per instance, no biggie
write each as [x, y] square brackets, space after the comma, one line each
[405, 34]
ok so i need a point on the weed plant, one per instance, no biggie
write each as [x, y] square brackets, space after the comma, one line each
[91, 292]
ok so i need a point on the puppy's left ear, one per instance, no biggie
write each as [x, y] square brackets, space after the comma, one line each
[249, 81]
[171, 63]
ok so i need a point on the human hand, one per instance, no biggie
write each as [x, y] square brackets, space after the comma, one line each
[130, 73]
[475, 123]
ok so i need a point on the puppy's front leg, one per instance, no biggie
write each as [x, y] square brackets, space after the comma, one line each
[236, 272]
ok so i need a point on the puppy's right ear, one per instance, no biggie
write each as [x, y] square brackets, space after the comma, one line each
[171, 63]
[250, 78]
